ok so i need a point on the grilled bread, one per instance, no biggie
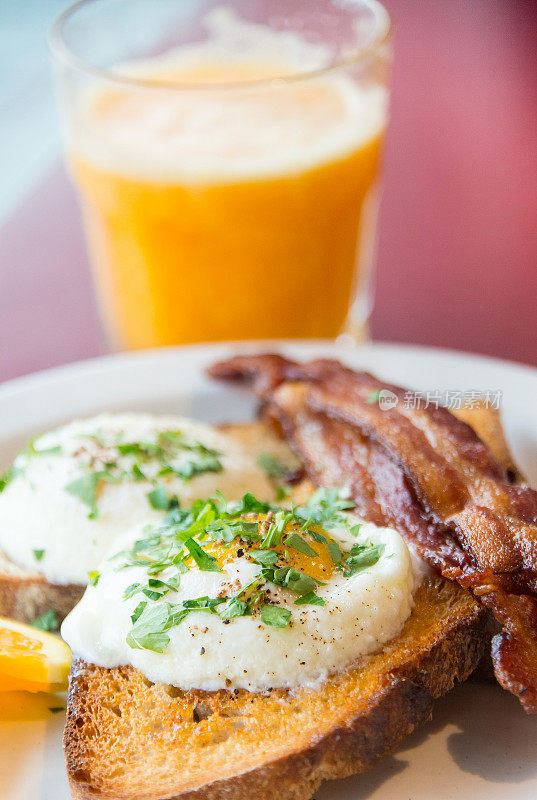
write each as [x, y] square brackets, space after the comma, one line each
[128, 738]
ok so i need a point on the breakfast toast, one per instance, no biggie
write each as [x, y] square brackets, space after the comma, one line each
[126, 737]
[26, 594]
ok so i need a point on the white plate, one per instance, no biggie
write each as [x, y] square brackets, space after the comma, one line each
[479, 743]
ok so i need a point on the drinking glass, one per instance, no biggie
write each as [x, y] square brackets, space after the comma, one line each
[226, 157]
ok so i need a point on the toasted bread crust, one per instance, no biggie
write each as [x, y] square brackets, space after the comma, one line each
[128, 738]
[391, 716]
[25, 595]
[486, 422]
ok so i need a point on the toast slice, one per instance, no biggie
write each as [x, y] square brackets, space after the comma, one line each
[128, 738]
[26, 594]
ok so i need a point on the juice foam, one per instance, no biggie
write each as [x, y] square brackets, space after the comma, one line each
[237, 211]
[194, 134]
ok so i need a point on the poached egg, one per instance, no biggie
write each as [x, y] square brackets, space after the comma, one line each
[280, 603]
[76, 489]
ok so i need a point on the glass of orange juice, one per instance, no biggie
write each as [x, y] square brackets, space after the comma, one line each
[226, 155]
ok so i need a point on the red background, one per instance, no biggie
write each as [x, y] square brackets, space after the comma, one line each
[457, 262]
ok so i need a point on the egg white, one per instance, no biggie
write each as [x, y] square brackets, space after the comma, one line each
[37, 513]
[361, 614]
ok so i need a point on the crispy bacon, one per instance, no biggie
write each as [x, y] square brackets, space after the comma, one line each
[425, 472]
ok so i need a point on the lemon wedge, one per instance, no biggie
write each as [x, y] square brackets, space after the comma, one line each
[31, 659]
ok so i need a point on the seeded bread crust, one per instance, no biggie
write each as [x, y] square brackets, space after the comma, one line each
[129, 739]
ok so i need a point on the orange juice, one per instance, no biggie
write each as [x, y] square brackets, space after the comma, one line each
[235, 213]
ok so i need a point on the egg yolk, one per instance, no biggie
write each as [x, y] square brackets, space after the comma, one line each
[320, 567]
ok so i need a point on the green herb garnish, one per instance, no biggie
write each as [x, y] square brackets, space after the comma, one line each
[309, 599]
[86, 489]
[148, 631]
[47, 621]
[158, 499]
[361, 558]
[317, 537]
[21, 461]
[166, 549]
[162, 453]
[38, 554]
[296, 541]
[335, 551]
[292, 579]
[267, 558]
[205, 561]
[234, 607]
[276, 473]
[275, 616]
[324, 509]
[93, 577]
[271, 465]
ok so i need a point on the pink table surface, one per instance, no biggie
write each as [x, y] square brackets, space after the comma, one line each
[457, 262]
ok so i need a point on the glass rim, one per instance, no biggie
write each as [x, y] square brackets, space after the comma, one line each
[61, 50]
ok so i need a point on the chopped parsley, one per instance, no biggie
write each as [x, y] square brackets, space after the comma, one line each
[324, 509]
[277, 473]
[86, 488]
[310, 599]
[248, 505]
[266, 535]
[267, 558]
[373, 397]
[275, 616]
[93, 577]
[158, 499]
[149, 629]
[297, 542]
[271, 465]
[21, 461]
[9, 475]
[38, 554]
[170, 454]
[205, 561]
[47, 621]
[234, 607]
[335, 551]
[362, 556]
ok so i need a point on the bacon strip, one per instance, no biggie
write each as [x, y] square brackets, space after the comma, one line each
[424, 472]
